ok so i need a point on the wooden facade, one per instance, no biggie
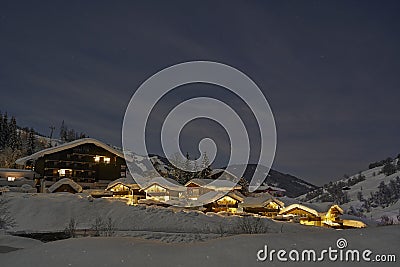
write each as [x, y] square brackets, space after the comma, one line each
[88, 162]
[227, 203]
[131, 191]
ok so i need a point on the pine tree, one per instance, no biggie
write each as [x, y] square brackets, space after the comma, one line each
[360, 196]
[195, 169]
[205, 166]
[71, 136]
[244, 184]
[187, 175]
[12, 141]
[31, 142]
[176, 162]
[63, 131]
[4, 131]
[388, 169]
[19, 141]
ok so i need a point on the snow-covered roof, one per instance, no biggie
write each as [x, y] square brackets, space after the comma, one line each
[299, 206]
[260, 201]
[200, 182]
[65, 181]
[269, 187]
[217, 185]
[210, 196]
[236, 195]
[166, 183]
[339, 209]
[69, 145]
[16, 170]
[126, 181]
[213, 196]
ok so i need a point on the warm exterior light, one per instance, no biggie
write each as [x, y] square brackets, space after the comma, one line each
[11, 179]
[102, 159]
[64, 172]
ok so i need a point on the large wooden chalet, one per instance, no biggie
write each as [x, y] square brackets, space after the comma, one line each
[89, 162]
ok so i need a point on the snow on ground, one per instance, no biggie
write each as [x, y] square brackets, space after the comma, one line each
[239, 250]
[52, 212]
[371, 182]
[17, 242]
[156, 236]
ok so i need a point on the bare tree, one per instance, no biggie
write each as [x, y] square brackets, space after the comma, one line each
[103, 228]
[252, 225]
[109, 229]
[70, 230]
[97, 226]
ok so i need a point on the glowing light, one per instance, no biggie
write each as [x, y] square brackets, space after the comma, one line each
[104, 159]
[64, 172]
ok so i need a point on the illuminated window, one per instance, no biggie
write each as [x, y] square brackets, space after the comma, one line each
[156, 189]
[11, 179]
[64, 172]
[102, 159]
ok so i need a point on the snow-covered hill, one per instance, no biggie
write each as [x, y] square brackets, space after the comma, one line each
[361, 193]
[293, 185]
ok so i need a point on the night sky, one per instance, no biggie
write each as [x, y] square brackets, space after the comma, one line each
[330, 70]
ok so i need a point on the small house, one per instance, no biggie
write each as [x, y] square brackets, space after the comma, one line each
[263, 204]
[126, 188]
[301, 213]
[199, 187]
[164, 189]
[65, 185]
[224, 202]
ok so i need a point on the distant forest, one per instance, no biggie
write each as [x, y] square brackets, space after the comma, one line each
[17, 142]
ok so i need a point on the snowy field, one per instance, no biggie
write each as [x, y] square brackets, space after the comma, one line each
[53, 212]
[155, 236]
[238, 250]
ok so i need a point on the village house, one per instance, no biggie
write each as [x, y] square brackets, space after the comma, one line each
[88, 162]
[262, 204]
[126, 188]
[12, 175]
[308, 216]
[164, 190]
[223, 202]
[65, 185]
[198, 187]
